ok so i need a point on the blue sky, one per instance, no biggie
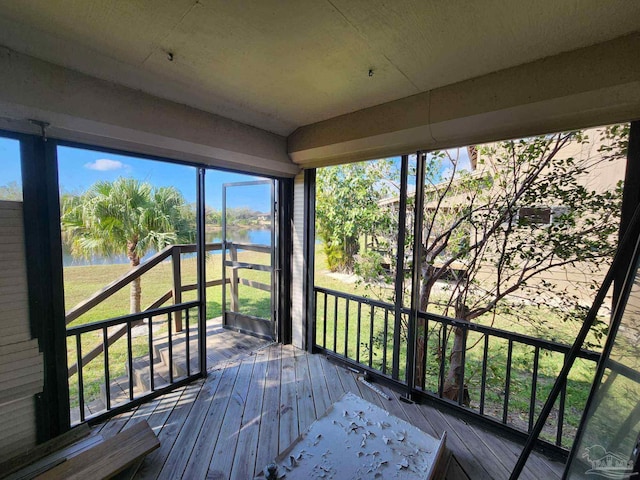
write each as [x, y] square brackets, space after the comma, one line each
[79, 169]
[9, 161]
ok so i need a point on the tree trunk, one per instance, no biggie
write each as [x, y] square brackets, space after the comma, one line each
[136, 289]
[454, 378]
[351, 248]
[421, 334]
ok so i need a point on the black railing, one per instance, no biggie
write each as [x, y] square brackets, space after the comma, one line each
[501, 376]
[363, 322]
[150, 365]
[116, 330]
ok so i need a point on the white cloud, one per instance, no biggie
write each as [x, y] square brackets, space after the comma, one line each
[105, 164]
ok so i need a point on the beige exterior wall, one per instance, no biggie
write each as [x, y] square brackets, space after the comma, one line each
[576, 279]
[21, 363]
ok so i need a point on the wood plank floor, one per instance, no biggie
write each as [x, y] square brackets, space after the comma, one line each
[252, 407]
[223, 344]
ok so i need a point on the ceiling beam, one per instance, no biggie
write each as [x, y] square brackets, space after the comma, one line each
[85, 109]
[591, 86]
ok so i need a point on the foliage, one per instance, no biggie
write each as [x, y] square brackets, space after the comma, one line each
[235, 216]
[11, 191]
[347, 199]
[478, 220]
[370, 267]
[213, 216]
[493, 233]
[526, 211]
[125, 216]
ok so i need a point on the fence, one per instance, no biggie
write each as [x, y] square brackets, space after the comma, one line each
[134, 357]
[502, 376]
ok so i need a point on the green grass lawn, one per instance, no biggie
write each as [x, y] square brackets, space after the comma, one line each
[341, 334]
[82, 281]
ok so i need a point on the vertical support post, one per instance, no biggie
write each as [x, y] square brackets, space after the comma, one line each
[284, 243]
[201, 271]
[177, 285]
[534, 387]
[150, 347]
[630, 200]
[43, 245]
[399, 280]
[80, 378]
[309, 243]
[223, 254]
[233, 254]
[130, 359]
[107, 371]
[483, 381]
[415, 278]
[273, 261]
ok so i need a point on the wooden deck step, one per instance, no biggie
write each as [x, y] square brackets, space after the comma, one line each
[179, 362]
[178, 345]
[107, 458]
[90, 408]
[221, 345]
[142, 374]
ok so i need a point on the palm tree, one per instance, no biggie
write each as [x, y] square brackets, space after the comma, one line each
[124, 216]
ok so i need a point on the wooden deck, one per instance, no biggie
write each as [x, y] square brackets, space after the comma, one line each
[252, 407]
[222, 344]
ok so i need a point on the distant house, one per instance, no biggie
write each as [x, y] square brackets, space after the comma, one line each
[573, 279]
[263, 217]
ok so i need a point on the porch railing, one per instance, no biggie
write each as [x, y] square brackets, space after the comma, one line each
[127, 324]
[161, 325]
[503, 377]
[174, 252]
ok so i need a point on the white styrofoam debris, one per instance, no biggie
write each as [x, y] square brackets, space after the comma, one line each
[384, 444]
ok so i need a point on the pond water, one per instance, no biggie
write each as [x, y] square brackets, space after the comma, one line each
[255, 236]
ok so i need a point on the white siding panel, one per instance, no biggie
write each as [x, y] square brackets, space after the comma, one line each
[17, 420]
[21, 363]
[297, 264]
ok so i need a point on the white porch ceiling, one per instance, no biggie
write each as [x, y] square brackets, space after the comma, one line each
[282, 64]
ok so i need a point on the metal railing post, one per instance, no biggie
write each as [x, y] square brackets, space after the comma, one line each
[308, 241]
[233, 254]
[399, 280]
[202, 272]
[177, 284]
[415, 278]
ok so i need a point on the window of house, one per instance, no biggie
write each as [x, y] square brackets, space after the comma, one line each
[534, 215]
[539, 215]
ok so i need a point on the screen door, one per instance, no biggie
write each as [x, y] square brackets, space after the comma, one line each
[248, 257]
